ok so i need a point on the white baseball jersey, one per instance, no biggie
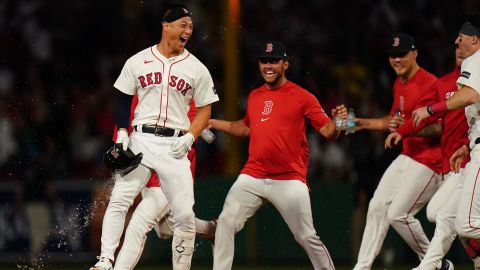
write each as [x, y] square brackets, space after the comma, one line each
[165, 86]
[471, 77]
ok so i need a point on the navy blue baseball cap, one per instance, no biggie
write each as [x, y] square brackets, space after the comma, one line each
[401, 43]
[272, 49]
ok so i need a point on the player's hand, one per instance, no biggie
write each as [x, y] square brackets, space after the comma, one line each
[360, 124]
[395, 123]
[340, 111]
[419, 114]
[181, 146]
[458, 157]
[393, 139]
[122, 137]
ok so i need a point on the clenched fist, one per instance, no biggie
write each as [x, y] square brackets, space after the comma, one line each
[181, 146]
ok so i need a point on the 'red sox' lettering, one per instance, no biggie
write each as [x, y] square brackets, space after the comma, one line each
[150, 79]
[156, 78]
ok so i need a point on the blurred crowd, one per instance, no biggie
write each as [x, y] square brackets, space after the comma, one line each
[59, 59]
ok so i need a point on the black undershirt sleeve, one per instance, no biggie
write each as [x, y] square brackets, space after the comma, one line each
[122, 110]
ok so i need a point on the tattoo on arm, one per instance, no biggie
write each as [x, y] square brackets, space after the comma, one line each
[431, 130]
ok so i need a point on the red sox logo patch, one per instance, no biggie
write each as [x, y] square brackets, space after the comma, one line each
[269, 47]
[115, 153]
[267, 109]
[396, 41]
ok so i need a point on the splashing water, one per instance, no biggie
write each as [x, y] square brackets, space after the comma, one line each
[72, 221]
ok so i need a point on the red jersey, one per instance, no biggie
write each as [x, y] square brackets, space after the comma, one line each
[454, 125]
[277, 117]
[153, 181]
[406, 97]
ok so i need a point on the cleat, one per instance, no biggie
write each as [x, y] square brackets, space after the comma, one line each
[446, 265]
[476, 263]
[102, 264]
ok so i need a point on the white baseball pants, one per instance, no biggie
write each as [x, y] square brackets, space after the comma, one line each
[290, 198]
[152, 212]
[468, 216]
[405, 187]
[177, 184]
[149, 211]
[442, 210]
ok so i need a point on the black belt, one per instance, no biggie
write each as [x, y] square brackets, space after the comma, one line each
[158, 131]
[477, 140]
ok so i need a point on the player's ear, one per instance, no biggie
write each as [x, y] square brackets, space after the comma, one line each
[475, 39]
[415, 54]
[286, 64]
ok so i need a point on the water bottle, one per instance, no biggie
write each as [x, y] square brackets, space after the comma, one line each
[350, 122]
[208, 135]
[339, 123]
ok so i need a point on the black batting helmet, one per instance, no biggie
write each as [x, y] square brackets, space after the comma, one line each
[121, 161]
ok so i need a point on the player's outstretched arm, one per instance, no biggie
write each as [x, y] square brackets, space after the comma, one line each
[463, 98]
[379, 124]
[234, 128]
[329, 132]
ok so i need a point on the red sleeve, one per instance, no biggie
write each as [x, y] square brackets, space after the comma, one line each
[430, 96]
[193, 110]
[314, 112]
[246, 120]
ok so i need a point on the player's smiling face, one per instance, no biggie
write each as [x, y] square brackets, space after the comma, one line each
[178, 33]
[458, 57]
[403, 64]
[464, 45]
[273, 71]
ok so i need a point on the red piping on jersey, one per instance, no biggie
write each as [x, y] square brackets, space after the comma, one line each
[168, 86]
[150, 227]
[471, 203]
[161, 92]
[410, 210]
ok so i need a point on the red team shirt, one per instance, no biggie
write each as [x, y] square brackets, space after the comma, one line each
[153, 181]
[406, 97]
[278, 146]
[454, 124]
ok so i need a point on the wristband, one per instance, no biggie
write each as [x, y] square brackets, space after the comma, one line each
[429, 110]
[438, 107]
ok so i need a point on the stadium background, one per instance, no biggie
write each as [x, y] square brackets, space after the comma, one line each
[59, 59]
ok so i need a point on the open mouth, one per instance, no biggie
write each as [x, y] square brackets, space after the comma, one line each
[269, 73]
[183, 41]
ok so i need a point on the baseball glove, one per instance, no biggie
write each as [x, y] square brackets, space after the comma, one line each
[121, 161]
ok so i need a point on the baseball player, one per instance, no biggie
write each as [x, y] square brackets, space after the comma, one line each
[413, 177]
[165, 77]
[147, 214]
[442, 207]
[467, 222]
[276, 168]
